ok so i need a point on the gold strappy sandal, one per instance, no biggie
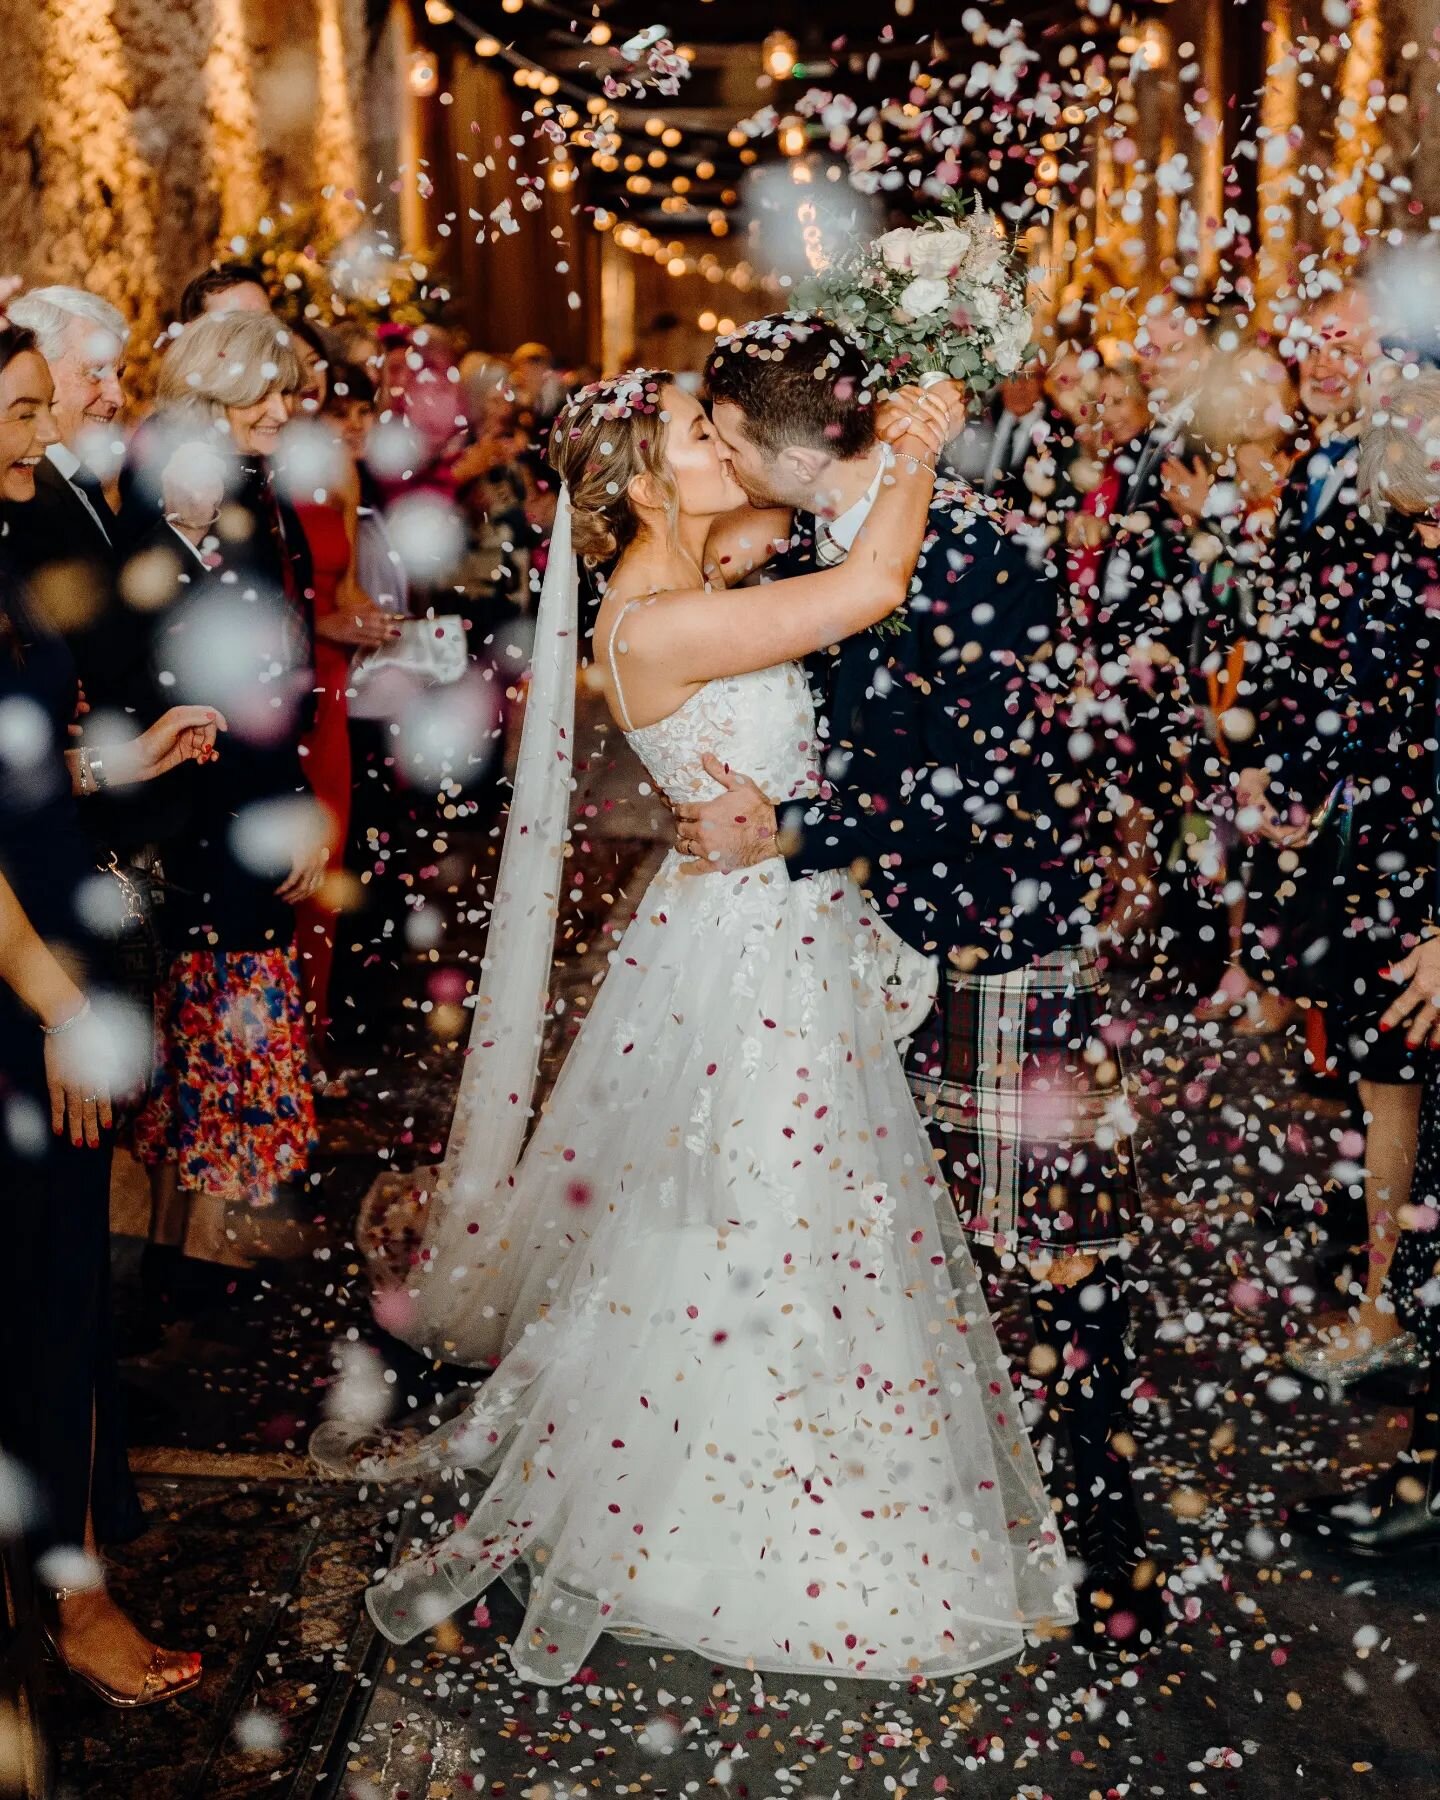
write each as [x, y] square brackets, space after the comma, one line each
[153, 1689]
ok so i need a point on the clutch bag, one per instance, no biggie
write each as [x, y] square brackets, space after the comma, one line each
[432, 651]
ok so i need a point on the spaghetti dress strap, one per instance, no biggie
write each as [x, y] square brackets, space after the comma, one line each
[625, 721]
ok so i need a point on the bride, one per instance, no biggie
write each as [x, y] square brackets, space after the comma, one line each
[746, 1396]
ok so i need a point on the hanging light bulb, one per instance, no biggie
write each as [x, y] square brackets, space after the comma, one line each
[438, 13]
[792, 136]
[424, 74]
[778, 55]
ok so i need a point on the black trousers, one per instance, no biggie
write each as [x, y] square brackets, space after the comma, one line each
[370, 938]
[60, 1380]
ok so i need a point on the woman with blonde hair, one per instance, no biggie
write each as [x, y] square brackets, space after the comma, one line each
[224, 560]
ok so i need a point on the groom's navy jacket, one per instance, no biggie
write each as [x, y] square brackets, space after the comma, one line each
[944, 751]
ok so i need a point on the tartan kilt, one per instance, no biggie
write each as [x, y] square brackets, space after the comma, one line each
[1021, 1081]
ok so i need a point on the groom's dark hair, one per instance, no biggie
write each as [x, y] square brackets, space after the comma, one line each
[798, 379]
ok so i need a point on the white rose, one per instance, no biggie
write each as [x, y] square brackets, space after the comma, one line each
[897, 247]
[942, 253]
[925, 295]
[983, 306]
[1011, 336]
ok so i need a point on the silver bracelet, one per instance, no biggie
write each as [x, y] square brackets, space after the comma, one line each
[97, 770]
[81, 1011]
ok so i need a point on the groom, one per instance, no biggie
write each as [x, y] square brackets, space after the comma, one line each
[947, 793]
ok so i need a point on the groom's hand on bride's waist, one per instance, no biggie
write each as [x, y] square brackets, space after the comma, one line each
[734, 830]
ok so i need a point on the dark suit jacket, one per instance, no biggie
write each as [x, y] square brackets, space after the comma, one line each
[73, 576]
[944, 744]
[1321, 571]
[73, 573]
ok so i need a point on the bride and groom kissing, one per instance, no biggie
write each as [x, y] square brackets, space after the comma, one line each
[745, 1393]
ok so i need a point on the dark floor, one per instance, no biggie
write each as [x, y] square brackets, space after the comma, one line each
[1290, 1673]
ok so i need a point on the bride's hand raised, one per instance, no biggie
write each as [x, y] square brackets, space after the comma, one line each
[920, 421]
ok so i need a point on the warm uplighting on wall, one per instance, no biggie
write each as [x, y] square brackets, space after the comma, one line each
[778, 55]
[424, 73]
[232, 110]
[337, 138]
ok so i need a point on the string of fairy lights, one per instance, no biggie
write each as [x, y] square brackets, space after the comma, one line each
[604, 121]
[577, 119]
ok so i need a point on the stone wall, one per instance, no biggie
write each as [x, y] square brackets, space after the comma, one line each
[135, 134]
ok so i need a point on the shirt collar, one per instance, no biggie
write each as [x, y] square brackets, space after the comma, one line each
[64, 459]
[846, 528]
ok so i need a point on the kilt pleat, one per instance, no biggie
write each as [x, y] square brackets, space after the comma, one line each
[1021, 1079]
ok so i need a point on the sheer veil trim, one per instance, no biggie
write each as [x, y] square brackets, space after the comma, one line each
[434, 1295]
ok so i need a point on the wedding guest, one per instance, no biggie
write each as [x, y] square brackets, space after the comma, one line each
[67, 542]
[321, 479]
[1320, 535]
[59, 1402]
[1141, 408]
[380, 817]
[225, 559]
[1017, 423]
[67, 537]
[1052, 493]
[1378, 666]
[225, 287]
[1223, 488]
[1172, 348]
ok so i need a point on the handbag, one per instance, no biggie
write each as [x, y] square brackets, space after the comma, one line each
[433, 652]
[135, 952]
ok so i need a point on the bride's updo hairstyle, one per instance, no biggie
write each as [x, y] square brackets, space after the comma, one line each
[607, 435]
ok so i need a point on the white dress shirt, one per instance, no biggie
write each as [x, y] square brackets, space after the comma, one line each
[836, 537]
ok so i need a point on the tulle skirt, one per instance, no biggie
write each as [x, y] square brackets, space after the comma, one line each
[750, 1400]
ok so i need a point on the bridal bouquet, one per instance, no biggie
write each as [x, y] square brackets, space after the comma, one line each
[940, 297]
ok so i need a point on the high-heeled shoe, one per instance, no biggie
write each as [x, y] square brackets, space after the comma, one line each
[1312, 1361]
[153, 1689]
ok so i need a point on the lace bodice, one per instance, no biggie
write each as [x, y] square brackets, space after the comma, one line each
[761, 724]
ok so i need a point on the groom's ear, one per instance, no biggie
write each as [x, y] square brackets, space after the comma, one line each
[803, 464]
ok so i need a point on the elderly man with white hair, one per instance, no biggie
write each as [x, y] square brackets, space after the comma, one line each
[83, 338]
[66, 541]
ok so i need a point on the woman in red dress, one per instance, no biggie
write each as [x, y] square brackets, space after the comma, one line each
[345, 619]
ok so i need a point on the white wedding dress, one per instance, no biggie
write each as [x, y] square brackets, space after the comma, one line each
[750, 1400]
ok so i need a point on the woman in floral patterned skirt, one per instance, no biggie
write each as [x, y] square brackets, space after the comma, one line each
[230, 1117]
